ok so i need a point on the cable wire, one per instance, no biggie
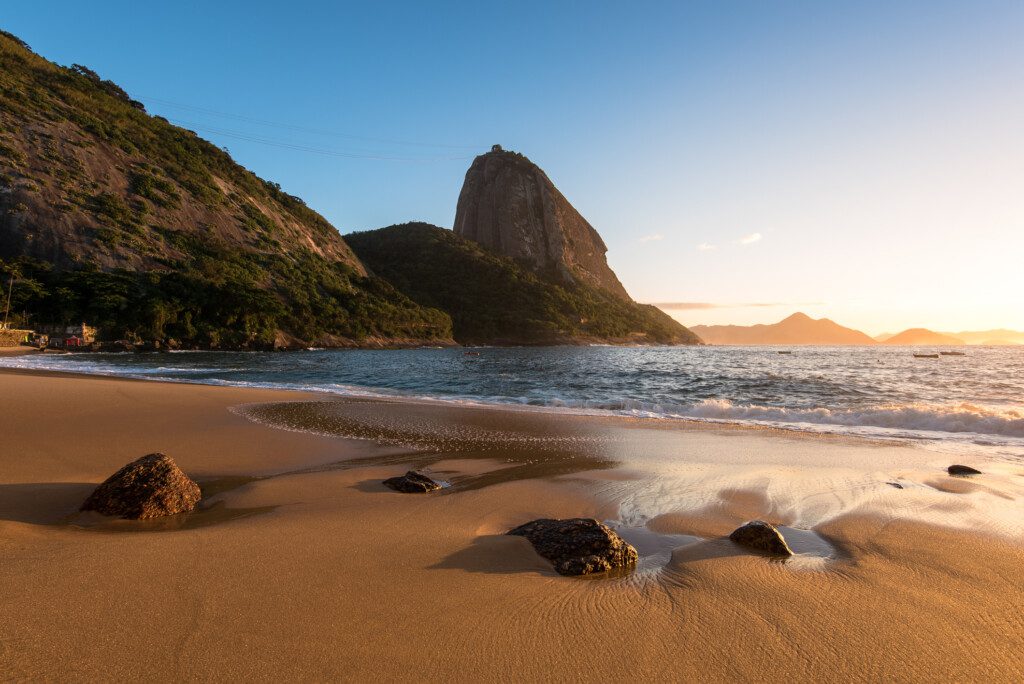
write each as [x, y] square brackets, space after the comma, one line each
[303, 129]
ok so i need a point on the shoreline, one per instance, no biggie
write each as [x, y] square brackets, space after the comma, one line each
[965, 442]
[314, 570]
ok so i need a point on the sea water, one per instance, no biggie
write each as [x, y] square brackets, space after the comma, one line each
[974, 401]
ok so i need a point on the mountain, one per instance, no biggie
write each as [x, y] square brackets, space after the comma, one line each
[494, 299]
[797, 329]
[120, 219]
[924, 337]
[509, 205]
[990, 337]
[882, 337]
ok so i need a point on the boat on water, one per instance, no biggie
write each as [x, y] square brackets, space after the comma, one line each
[784, 352]
[926, 356]
[952, 353]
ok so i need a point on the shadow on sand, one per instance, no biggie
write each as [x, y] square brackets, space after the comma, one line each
[57, 504]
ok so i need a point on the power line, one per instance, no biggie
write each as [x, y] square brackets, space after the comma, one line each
[303, 129]
[305, 148]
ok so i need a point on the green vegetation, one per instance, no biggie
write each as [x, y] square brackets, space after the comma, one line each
[492, 299]
[222, 300]
[143, 229]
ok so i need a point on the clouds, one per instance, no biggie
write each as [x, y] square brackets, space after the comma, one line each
[654, 237]
[748, 239]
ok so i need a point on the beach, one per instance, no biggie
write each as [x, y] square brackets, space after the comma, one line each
[302, 566]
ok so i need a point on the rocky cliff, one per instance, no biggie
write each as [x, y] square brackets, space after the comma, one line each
[509, 205]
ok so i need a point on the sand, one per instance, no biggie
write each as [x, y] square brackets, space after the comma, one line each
[308, 569]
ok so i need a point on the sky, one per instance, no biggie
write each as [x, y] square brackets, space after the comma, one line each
[742, 160]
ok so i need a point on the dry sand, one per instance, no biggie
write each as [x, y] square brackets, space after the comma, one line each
[308, 569]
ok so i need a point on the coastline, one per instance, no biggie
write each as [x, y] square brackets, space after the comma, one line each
[326, 574]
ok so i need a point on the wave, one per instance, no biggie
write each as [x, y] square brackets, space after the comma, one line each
[962, 418]
[958, 418]
[963, 421]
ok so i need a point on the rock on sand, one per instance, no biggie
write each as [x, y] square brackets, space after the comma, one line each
[577, 546]
[151, 487]
[761, 536]
[412, 483]
[962, 470]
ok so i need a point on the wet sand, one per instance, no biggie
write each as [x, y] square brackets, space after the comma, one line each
[302, 566]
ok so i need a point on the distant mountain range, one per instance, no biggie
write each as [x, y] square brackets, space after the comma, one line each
[797, 329]
[924, 337]
[1000, 336]
[802, 329]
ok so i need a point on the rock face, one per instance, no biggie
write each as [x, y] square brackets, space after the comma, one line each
[412, 483]
[962, 470]
[151, 487]
[577, 546]
[511, 207]
[761, 536]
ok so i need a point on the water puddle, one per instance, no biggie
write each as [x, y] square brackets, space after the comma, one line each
[656, 549]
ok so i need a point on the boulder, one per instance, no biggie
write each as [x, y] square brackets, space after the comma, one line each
[761, 536]
[151, 487]
[578, 546]
[412, 483]
[962, 470]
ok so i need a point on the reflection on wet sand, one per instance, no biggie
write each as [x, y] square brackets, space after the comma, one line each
[520, 445]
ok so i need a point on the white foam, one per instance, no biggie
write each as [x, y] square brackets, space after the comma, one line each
[966, 425]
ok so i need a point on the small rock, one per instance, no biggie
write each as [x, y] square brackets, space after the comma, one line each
[577, 546]
[151, 487]
[962, 470]
[412, 483]
[761, 536]
[897, 485]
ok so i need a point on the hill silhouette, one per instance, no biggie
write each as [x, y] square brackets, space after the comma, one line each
[494, 299]
[796, 329]
[924, 337]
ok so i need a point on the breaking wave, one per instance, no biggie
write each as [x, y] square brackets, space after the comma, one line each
[972, 400]
[957, 418]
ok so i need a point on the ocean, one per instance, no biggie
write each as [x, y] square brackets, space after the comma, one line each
[970, 402]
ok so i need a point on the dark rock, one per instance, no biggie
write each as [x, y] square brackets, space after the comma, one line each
[962, 470]
[578, 546]
[510, 206]
[897, 485]
[151, 487]
[412, 483]
[284, 341]
[761, 536]
[116, 346]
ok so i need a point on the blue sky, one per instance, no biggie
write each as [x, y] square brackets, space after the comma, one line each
[857, 160]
